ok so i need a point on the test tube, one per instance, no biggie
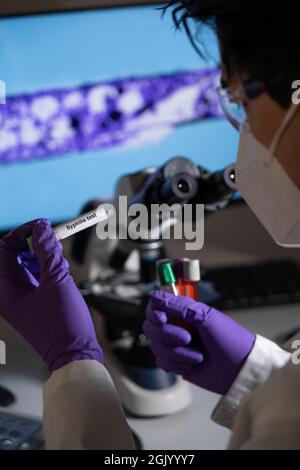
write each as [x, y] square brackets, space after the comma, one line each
[192, 277]
[188, 275]
[158, 263]
[82, 222]
[169, 283]
[167, 277]
[179, 269]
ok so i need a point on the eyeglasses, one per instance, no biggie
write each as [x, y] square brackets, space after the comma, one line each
[232, 102]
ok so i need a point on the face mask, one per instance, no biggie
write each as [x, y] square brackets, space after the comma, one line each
[267, 188]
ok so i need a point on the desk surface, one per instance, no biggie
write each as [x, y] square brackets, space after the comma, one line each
[25, 373]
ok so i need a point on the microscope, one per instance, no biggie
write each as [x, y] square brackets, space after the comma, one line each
[118, 275]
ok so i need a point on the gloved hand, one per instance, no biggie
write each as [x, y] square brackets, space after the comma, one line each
[40, 299]
[223, 344]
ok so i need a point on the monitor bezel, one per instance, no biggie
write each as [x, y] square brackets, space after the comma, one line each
[12, 8]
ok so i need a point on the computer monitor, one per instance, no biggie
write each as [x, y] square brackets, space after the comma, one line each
[95, 94]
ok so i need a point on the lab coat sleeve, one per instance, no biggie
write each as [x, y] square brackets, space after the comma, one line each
[82, 410]
[264, 358]
[270, 417]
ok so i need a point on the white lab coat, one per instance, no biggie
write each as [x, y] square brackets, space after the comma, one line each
[82, 409]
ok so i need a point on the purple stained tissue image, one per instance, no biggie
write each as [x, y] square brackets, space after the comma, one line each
[124, 113]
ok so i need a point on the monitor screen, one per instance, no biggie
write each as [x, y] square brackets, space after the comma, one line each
[92, 95]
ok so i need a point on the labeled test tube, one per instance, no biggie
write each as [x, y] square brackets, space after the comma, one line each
[82, 222]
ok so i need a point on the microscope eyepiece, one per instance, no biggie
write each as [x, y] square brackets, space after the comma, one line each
[178, 189]
[218, 187]
[183, 186]
[229, 177]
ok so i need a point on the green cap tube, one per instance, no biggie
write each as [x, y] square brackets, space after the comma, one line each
[166, 274]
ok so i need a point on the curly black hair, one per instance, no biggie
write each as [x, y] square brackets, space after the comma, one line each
[259, 39]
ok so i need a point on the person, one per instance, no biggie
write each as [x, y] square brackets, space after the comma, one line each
[258, 381]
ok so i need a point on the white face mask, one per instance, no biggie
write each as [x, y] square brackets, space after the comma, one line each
[267, 188]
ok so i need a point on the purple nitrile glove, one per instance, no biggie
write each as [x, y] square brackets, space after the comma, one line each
[39, 297]
[224, 345]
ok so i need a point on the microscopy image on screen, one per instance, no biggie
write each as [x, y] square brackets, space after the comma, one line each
[94, 95]
[122, 113]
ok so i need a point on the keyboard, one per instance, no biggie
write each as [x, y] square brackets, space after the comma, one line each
[19, 433]
[258, 285]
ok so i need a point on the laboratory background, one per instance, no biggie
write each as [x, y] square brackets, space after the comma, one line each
[97, 99]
